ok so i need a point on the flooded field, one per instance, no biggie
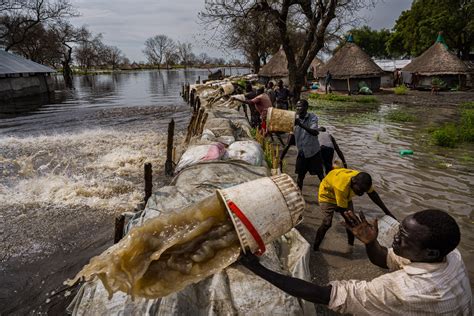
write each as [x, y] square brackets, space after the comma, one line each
[433, 177]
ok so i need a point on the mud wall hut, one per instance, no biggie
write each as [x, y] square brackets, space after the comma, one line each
[20, 77]
[436, 62]
[349, 66]
[277, 68]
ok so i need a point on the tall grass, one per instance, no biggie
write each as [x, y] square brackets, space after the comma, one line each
[451, 134]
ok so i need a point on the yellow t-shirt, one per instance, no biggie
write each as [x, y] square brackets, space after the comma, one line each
[336, 187]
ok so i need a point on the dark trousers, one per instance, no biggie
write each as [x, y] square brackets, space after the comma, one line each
[329, 209]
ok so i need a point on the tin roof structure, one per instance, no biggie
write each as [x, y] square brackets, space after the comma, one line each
[11, 64]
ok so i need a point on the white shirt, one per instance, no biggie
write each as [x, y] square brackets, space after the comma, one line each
[414, 288]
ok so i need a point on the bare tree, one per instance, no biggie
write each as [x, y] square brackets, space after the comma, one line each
[311, 19]
[157, 47]
[89, 52]
[113, 56]
[185, 53]
[69, 35]
[18, 18]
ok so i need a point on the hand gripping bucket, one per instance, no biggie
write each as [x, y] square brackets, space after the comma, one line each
[280, 120]
[263, 210]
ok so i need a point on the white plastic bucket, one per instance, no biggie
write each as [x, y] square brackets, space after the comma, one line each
[388, 227]
[280, 120]
[272, 206]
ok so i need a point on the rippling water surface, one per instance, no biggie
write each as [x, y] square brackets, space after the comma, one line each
[433, 177]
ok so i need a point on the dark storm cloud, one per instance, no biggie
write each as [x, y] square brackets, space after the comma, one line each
[127, 24]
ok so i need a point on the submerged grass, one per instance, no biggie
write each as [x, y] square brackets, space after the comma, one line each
[344, 98]
[400, 116]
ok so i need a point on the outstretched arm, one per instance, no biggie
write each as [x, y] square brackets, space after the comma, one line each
[293, 286]
[374, 196]
[367, 233]
[338, 151]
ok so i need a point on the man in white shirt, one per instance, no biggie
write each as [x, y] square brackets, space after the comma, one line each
[427, 277]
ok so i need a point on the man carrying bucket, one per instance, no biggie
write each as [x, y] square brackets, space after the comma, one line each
[427, 274]
[305, 137]
[335, 195]
[261, 103]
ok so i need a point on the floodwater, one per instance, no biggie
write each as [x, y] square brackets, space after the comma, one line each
[69, 164]
[433, 177]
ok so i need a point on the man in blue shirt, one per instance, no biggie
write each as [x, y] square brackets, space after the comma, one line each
[305, 137]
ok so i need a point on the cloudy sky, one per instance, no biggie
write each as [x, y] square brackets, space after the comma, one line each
[127, 24]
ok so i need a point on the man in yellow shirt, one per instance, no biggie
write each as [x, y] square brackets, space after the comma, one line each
[335, 195]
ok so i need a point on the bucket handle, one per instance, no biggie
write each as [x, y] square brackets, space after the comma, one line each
[236, 210]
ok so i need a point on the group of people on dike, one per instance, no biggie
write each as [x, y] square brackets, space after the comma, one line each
[426, 272]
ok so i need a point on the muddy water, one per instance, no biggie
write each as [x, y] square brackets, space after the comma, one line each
[434, 177]
[68, 166]
[168, 252]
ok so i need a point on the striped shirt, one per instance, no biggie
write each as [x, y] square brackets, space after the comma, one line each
[413, 288]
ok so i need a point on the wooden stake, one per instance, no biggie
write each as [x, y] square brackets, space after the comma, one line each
[148, 181]
[203, 122]
[169, 149]
[119, 225]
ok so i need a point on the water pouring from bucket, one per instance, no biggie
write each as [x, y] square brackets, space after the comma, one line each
[176, 249]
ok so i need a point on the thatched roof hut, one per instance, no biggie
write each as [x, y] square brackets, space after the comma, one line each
[349, 66]
[350, 61]
[436, 60]
[277, 66]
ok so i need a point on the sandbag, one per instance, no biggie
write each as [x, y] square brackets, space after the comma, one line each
[196, 154]
[249, 151]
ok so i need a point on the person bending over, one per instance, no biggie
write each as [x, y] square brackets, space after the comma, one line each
[335, 195]
[328, 146]
[427, 274]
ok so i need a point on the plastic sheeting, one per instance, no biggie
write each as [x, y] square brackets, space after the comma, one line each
[233, 291]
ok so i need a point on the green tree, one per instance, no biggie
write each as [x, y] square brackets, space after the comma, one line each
[372, 41]
[416, 29]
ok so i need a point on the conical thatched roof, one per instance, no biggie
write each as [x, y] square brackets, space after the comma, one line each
[277, 66]
[350, 61]
[436, 60]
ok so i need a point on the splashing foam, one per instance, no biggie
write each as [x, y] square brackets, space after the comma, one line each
[69, 177]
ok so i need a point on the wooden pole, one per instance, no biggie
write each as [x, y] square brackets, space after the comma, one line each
[348, 86]
[190, 128]
[198, 121]
[119, 224]
[148, 181]
[203, 122]
[169, 149]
